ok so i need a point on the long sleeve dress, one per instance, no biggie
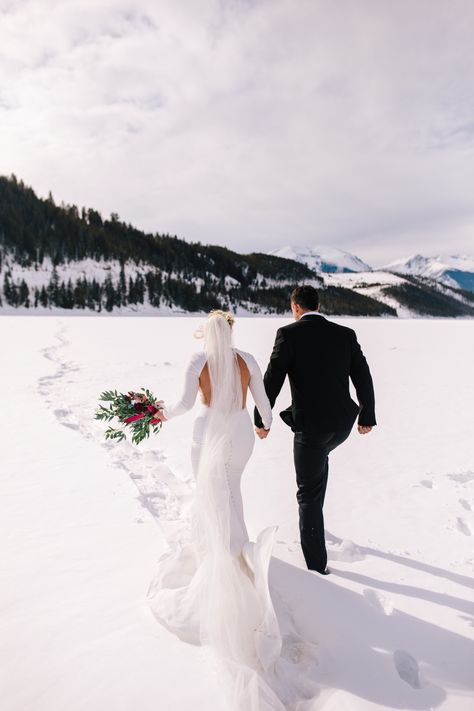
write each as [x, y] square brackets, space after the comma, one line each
[240, 431]
[214, 588]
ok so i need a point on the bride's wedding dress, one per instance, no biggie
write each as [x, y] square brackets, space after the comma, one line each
[213, 588]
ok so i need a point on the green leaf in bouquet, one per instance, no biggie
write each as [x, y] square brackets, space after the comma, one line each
[112, 433]
[108, 395]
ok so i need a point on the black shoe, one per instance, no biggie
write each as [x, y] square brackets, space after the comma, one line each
[326, 571]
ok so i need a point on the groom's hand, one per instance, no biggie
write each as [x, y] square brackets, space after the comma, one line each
[262, 432]
[363, 429]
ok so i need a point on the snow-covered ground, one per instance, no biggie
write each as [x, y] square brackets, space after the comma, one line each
[89, 269]
[83, 521]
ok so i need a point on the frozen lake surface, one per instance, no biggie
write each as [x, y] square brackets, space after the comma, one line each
[82, 521]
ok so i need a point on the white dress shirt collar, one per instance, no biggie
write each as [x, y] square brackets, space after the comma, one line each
[311, 313]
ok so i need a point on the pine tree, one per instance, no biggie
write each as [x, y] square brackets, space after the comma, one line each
[7, 287]
[24, 294]
[122, 287]
[79, 293]
[10, 290]
[96, 293]
[69, 296]
[132, 299]
[91, 296]
[139, 288]
[53, 288]
[43, 297]
[110, 294]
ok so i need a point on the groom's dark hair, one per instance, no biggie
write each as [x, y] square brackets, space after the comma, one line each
[305, 296]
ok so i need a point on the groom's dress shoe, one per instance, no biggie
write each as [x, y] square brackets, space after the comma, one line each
[326, 571]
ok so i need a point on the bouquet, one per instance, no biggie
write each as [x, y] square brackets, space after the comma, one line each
[135, 410]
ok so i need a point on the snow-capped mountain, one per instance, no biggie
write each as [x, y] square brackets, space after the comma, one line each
[323, 258]
[453, 270]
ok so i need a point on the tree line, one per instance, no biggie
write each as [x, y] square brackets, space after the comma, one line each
[168, 272]
[92, 295]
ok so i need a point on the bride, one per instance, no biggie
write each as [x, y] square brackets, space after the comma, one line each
[213, 588]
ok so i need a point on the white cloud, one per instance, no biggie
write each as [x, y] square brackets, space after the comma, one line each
[250, 124]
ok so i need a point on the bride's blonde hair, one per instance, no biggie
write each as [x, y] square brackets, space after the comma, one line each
[227, 315]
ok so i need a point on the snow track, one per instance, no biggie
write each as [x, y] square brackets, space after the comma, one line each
[163, 495]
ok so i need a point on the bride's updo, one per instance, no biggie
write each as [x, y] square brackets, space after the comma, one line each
[224, 315]
[229, 317]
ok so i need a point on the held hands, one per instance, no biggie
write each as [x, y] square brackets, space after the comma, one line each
[159, 414]
[263, 433]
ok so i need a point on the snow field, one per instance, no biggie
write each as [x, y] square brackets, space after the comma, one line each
[84, 520]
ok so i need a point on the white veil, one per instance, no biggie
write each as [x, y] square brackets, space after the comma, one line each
[222, 364]
[227, 592]
[232, 608]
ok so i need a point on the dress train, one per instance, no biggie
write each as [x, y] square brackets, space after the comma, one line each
[213, 589]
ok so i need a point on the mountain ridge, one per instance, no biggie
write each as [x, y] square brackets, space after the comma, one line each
[452, 270]
[323, 258]
[74, 259]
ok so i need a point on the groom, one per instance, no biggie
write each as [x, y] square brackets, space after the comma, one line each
[319, 357]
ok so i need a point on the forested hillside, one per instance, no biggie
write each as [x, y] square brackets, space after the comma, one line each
[74, 258]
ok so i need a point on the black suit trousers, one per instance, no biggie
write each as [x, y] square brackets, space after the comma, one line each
[311, 452]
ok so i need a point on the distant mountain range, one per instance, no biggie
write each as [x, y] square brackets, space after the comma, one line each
[63, 258]
[323, 259]
[414, 286]
[453, 270]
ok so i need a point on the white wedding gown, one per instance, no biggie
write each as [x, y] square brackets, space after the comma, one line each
[213, 588]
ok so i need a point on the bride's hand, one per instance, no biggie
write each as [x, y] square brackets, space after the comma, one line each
[160, 415]
[262, 432]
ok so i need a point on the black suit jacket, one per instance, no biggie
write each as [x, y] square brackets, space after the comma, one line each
[319, 357]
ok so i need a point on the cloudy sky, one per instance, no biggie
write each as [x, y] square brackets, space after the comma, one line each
[249, 123]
